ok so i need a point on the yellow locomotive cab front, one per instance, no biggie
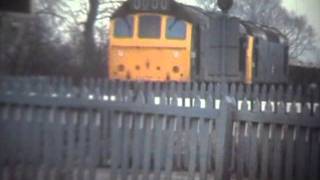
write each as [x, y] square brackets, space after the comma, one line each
[151, 47]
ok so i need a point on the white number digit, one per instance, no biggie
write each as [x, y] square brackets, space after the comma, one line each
[164, 4]
[155, 4]
[145, 4]
[137, 4]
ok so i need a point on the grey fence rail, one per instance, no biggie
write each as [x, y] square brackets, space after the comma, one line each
[55, 129]
[64, 86]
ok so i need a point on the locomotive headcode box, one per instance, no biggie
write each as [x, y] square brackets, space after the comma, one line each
[148, 5]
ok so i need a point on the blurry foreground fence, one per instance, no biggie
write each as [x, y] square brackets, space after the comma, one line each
[59, 130]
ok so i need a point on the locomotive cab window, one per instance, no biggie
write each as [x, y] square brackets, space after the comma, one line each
[176, 29]
[149, 26]
[124, 27]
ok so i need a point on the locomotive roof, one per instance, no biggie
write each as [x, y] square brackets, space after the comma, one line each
[304, 63]
[199, 16]
[192, 14]
[264, 32]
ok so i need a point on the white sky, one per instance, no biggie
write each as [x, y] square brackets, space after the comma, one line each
[308, 8]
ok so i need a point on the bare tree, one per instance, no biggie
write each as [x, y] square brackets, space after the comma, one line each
[12, 31]
[83, 23]
[90, 49]
[27, 47]
[301, 35]
[208, 5]
[77, 25]
[98, 10]
[270, 12]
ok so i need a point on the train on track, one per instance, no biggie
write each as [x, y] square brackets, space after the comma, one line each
[163, 40]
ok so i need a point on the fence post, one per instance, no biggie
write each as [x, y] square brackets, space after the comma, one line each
[224, 139]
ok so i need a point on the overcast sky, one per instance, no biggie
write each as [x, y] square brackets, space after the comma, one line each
[308, 8]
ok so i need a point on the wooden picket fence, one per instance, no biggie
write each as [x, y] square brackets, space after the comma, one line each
[100, 129]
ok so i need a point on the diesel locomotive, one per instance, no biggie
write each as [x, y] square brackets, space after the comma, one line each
[163, 40]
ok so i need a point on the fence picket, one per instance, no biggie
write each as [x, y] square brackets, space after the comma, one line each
[93, 154]
[17, 167]
[233, 90]
[240, 92]
[58, 154]
[289, 152]
[47, 133]
[289, 94]
[169, 148]
[4, 126]
[276, 156]
[137, 150]
[265, 152]
[37, 147]
[71, 144]
[217, 91]
[160, 124]
[127, 125]
[253, 151]
[315, 155]
[192, 137]
[116, 137]
[298, 94]
[224, 139]
[240, 151]
[29, 136]
[256, 91]
[301, 150]
[82, 144]
[9, 142]
[149, 124]
[22, 145]
[105, 132]
[53, 128]
[204, 127]
[248, 93]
